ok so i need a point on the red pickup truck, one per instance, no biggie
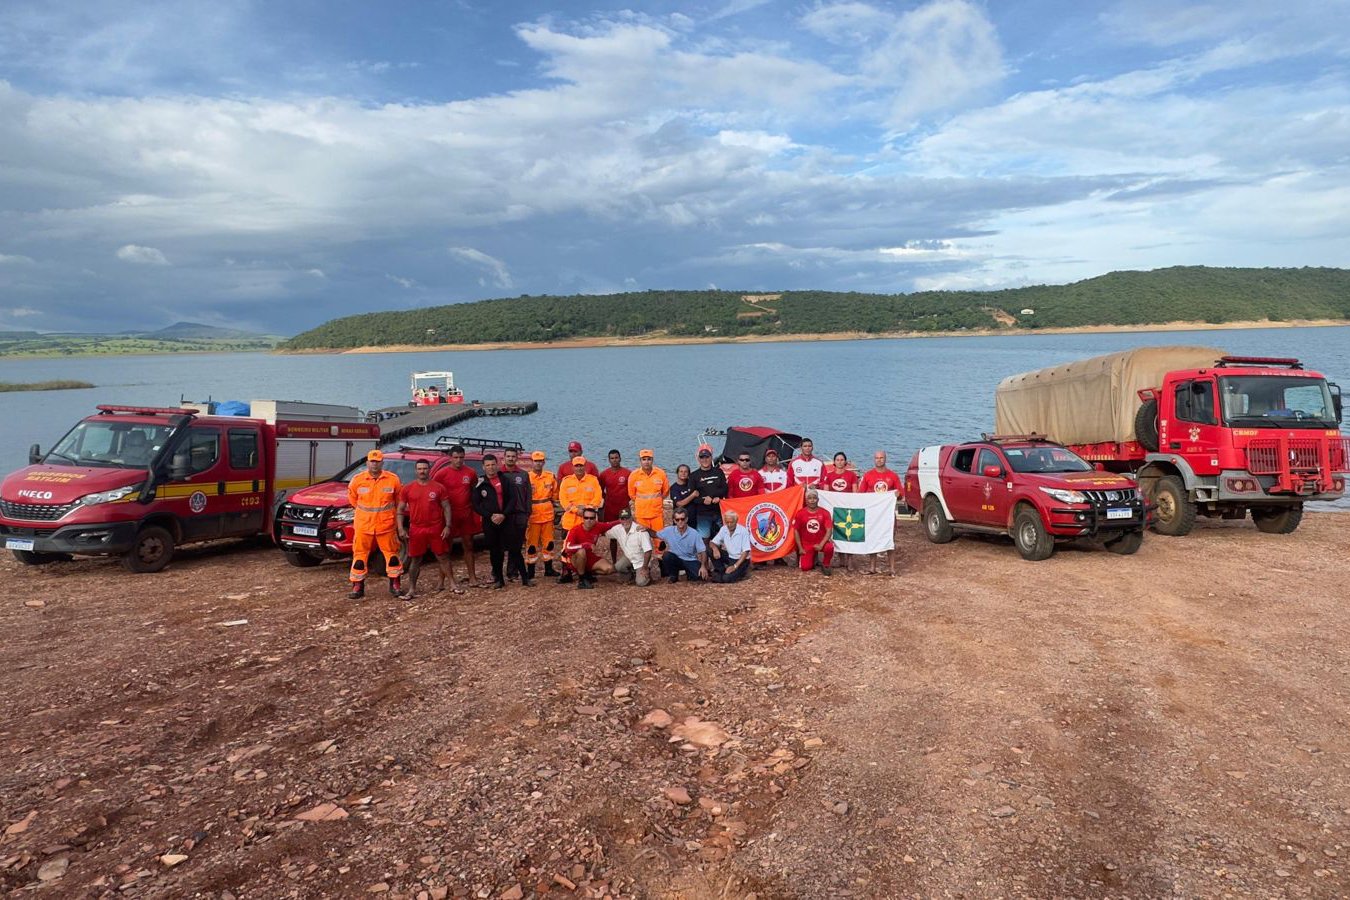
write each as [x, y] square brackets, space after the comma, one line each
[315, 524]
[1034, 490]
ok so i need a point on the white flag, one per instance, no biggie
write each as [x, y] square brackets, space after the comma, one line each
[863, 523]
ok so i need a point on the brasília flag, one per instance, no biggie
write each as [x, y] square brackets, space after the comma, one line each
[863, 523]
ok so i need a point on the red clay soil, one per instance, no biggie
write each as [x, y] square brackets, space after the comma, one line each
[1171, 723]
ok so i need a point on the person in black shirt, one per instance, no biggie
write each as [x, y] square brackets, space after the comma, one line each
[498, 502]
[710, 483]
[682, 493]
[518, 480]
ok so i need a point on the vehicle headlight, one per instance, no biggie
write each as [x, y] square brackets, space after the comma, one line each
[347, 514]
[108, 496]
[1065, 496]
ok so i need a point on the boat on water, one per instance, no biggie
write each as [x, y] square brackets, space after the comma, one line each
[434, 388]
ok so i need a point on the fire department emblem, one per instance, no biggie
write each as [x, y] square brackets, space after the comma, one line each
[1195, 433]
[197, 502]
[746, 484]
[880, 488]
[768, 526]
[813, 526]
[988, 489]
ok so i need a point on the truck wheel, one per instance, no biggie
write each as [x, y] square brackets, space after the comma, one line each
[1175, 514]
[1029, 533]
[151, 552]
[1146, 425]
[1127, 544]
[1277, 520]
[33, 558]
[935, 523]
[300, 559]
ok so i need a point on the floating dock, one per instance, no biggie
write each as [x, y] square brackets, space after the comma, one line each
[399, 422]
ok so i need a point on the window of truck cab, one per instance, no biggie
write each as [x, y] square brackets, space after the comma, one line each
[111, 443]
[1195, 402]
[1277, 401]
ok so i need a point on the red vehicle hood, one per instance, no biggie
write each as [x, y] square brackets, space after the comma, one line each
[1079, 481]
[64, 484]
[328, 493]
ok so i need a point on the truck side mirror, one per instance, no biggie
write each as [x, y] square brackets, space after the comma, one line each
[1335, 404]
[993, 472]
[35, 452]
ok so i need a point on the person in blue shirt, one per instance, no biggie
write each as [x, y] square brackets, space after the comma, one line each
[730, 551]
[684, 550]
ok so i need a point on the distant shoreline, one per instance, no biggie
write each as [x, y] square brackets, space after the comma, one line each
[664, 340]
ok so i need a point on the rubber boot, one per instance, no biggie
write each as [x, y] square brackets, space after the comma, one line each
[534, 569]
[549, 571]
[395, 586]
[358, 591]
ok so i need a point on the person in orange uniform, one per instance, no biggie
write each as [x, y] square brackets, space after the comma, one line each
[539, 539]
[578, 491]
[648, 487]
[565, 469]
[373, 495]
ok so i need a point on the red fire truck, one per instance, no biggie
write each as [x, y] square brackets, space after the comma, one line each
[1203, 432]
[138, 481]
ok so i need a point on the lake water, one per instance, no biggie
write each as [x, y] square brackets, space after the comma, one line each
[855, 396]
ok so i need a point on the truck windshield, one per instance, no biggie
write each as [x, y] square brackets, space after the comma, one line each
[111, 444]
[405, 469]
[1277, 401]
[1045, 459]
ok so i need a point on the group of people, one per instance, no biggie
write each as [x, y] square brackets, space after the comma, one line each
[517, 508]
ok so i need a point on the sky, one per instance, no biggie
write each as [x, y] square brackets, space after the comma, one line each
[272, 164]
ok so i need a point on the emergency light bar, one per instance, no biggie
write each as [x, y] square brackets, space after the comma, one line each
[1289, 361]
[107, 409]
[1014, 438]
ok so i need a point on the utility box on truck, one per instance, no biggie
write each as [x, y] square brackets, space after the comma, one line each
[137, 482]
[1204, 433]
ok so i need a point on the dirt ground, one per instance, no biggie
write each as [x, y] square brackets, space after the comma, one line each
[1169, 724]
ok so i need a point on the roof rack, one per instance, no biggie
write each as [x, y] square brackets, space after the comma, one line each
[469, 443]
[1016, 438]
[109, 409]
[1267, 361]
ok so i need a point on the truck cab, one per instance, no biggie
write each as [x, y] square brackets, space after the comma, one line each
[1034, 490]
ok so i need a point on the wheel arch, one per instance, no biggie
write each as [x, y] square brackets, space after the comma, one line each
[167, 521]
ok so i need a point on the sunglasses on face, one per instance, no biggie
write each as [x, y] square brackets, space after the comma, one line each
[589, 518]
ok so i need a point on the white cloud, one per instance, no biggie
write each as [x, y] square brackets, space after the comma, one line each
[405, 283]
[848, 23]
[15, 259]
[498, 274]
[135, 253]
[20, 312]
[760, 141]
[317, 273]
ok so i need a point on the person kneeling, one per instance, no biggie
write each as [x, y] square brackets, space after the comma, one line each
[580, 558]
[684, 551]
[730, 550]
[635, 549]
[813, 529]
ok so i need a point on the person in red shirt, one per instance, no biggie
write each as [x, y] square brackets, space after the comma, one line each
[773, 474]
[579, 553]
[879, 479]
[459, 480]
[839, 477]
[744, 481]
[614, 482]
[813, 531]
[424, 524]
[574, 450]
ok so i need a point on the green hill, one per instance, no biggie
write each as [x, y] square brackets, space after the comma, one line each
[1185, 293]
[181, 337]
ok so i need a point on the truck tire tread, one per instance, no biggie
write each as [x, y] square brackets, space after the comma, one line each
[152, 551]
[1146, 425]
[1169, 492]
[1034, 541]
[935, 524]
[1280, 520]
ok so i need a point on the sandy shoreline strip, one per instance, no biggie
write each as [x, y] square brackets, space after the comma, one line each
[664, 340]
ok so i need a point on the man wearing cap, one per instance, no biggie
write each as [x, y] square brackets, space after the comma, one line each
[579, 553]
[614, 483]
[773, 474]
[744, 480]
[498, 504]
[576, 491]
[539, 533]
[648, 487]
[711, 483]
[635, 549]
[565, 469]
[373, 495]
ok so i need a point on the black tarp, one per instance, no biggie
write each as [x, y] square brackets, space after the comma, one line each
[756, 440]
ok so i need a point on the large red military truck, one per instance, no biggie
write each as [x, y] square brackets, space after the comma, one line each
[1204, 433]
[139, 481]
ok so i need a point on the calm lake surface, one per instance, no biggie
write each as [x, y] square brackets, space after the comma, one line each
[855, 396]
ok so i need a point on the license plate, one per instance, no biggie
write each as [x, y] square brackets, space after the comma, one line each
[306, 530]
[1119, 513]
[18, 544]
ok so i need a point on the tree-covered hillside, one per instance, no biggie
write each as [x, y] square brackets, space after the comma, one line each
[1187, 293]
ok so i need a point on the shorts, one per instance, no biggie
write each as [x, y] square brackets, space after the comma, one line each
[420, 540]
[464, 523]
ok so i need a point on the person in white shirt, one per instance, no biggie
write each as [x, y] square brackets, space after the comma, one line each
[730, 551]
[774, 475]
[635, 549]
[805, 468]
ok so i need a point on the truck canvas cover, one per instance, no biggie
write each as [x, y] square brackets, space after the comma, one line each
[1090, 401]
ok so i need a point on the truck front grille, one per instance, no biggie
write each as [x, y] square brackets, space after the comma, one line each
[1100, 498]
[34, 512]
[1266, 457]
[303, 513]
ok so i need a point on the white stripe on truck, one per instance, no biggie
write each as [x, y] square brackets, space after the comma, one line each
[930, 482]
